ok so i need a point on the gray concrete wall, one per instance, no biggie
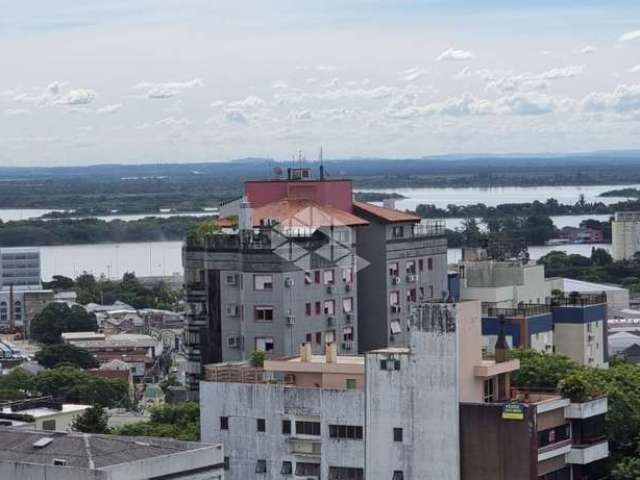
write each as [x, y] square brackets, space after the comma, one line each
[422, 398]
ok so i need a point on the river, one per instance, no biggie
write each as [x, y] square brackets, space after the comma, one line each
[165, 258]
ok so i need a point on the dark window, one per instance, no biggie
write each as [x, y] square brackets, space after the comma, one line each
[261, 466]
[318, 308]
[264, 314]
[429, 263]
[553, 435]
[226, 463]
[286, 427]
[307, 308]
[224, 423]
[261, 425]
[397, 232]
[397, 434]
[287, 468]
[308, 337]
[304, 469]
[318, 338]
[383, 364]
[316, 276]
[49, 425]
[420, 265]
[346, 473]
[396, 364]
[398, 475]
[308, 428]
[352, 432]
[562, 474]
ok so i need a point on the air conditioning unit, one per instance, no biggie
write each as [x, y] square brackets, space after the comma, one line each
[233, 342]
[288, 282]
[329, 288]
[411, 278]
[331, 321]
[232, 310]
[291, 320]
[395, 308]
[348, 318]
[347, 287]
[396, 280]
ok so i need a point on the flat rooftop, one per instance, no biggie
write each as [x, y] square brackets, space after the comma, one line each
[39, 412]
[85, 451]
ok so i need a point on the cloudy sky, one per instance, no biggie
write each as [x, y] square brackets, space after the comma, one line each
[133, 81]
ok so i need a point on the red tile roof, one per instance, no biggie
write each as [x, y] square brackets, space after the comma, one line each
[386, 214]
[304, 213]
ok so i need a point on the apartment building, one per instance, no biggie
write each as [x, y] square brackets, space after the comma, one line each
[625, 235]
[288, 272]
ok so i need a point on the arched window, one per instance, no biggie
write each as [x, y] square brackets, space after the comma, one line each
[3, 312]
[17, 310]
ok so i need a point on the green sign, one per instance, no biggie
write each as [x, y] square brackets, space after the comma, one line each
[513, 411]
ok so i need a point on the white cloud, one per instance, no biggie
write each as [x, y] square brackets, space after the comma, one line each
[587, 50]
[454, 55]
[250, 102]
[303, 115]
[630, 36]
[279, 85]
[564, 72]
[624, 99]
[77, 97]
[17, 111]
[634, 69]
[326, 68]
[412, 74]
[109, 108]
[167, 89]
[173, 122]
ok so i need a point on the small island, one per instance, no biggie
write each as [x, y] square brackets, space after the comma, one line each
[377, 196]
[622, 192]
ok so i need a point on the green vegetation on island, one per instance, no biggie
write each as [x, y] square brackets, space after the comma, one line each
[622, 192]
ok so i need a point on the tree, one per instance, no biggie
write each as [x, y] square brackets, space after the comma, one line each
[53, 355]
[600, 257]
[59, 282]
[471, 231]
[92, 420]
[541, 370]
[257, 358]
[57, 318]
[176, 421]
[627, 469]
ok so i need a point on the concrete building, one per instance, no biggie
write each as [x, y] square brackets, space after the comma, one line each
[287, 272]
[20, 267]
[30, 455]
[625, 235]
[617, 297]
[392, 413]
[41, 414]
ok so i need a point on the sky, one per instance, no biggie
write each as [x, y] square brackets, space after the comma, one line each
[157, 81]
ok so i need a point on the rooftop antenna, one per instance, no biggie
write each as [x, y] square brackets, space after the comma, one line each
[321, 164]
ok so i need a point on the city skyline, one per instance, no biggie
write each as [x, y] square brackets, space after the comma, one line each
[141, 82]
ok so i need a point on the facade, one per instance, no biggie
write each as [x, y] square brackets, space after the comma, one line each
[288, 272]
[391, 413]
[625, 235]
[20, 267]
[30, 455]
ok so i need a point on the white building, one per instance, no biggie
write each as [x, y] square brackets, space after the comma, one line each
[42, 414]
[625, 235]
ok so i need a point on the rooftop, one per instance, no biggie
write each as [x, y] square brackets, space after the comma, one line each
[85, 451]
[303, 213]
[386, 214]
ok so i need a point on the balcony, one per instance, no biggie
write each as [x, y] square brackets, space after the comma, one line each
[305, 447]
[591, 408]
[432, 229]
[554, 450]
[489, 368]
[585, 454]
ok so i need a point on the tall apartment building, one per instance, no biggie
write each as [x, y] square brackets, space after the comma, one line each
[438, 409]
[625, 235]
[288, 271]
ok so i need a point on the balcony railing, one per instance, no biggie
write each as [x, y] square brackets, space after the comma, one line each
[431, 229]
[579, 299]
[522, 310]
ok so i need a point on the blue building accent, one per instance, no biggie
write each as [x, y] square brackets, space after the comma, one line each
[579, 313]
[535, 324]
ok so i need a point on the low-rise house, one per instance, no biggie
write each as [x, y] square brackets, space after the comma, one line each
[38, 456]
[41, 414]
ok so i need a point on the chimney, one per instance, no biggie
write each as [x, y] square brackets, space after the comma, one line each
[389, 203]
[502, 347]
[305, 352]
[331, 353]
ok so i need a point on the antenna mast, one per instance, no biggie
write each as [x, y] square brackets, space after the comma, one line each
[321, 164]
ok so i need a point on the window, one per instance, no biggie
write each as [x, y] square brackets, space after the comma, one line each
[17, 310]
[318, 338]
[308, 428]
[397, 232]
[351, 432]
[261, 425]
[421, 293]
[224, 423]
[262, 282]
[347, 275]
[49, 425]
[489, 390]
[287, 468]
[394, 298]
[395, 327]
[304, 469]
[286, 427]
[346, 473]
[351, 384]
[308, 338]
[307, 308]
[329, 307]
[589, 326]
[398, 475]
[328, 277]
[429, 263]
[554, 435]
[263, 314]
[393, 269]
[307, 278]
[347, 334]
[397, 435]
[316, 276]
[347, 305]
[431, 291]
[226, 463]
[264, 344]
[420, 265]
[412, 295]
[411, 267]
[318, 308]
[261, 466]
[3, 311]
